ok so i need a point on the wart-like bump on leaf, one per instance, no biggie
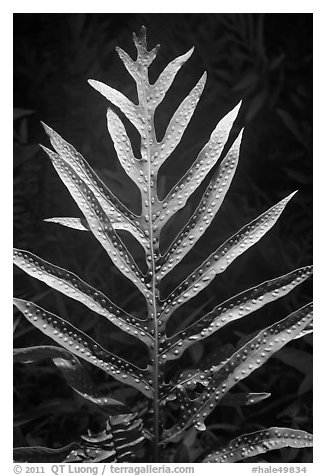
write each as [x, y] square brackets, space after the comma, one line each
[258, 442]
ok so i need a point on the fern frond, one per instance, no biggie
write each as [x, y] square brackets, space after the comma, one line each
[252, 444]
[117, 443]
[41, 454]
[177, 125]
[198, 390]
[130, 110]
[207, 158]
[242, 363]
[144, 57]
[115, 210]
[243, 399]
[81, 345]
[204, 213]
[232, 309]
[72, 286]
[82, 225]
[166, 78]
[134, 168]
[208, 366]
[73, 371]
[222, 257]
[98, 221]
[70, 222]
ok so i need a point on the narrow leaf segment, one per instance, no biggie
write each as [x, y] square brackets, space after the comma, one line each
[234, 308]
[81, 345]
[72, 286]
[242, 363]
[73, 371]
[253, 444]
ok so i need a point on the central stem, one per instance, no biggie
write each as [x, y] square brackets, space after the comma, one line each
[151, 259]
[156, 374]
[155, 359]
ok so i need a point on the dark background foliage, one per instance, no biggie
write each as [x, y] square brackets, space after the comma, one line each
[265, 60]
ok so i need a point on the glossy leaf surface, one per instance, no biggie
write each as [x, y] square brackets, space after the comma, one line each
[252, 444]
[81, 345]
[72, 286]
[242, 363]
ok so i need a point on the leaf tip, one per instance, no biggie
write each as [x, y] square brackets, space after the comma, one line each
[142, 32]
[237, 107]
[187, 55]
[237, 143]
[141, 38]
[50, 132]
[288, 198]
[46, 127]
[190, 52]
[43, 147]
[93, 83]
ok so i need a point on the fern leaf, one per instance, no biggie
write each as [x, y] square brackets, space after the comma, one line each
[221, 258]
[98, 221]
[115, 210]
[73, 372]
[70, 222]
[206, 159]
[307, 330]
[166, 78]
[41, 454]
[252, 444]
[231, 399]
[178, 124]
[242, 363]
[132, 166]
[204, 213]
[129, 109]
[144, 57]
[72, 286]
[232, 309]
[81, 345]
[205, 369]
[82, 225]
[116, 443]
[244, 399]
[155, 93]
[130, 65]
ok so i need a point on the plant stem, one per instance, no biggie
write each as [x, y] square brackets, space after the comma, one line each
[156, 373]
[151, 258]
